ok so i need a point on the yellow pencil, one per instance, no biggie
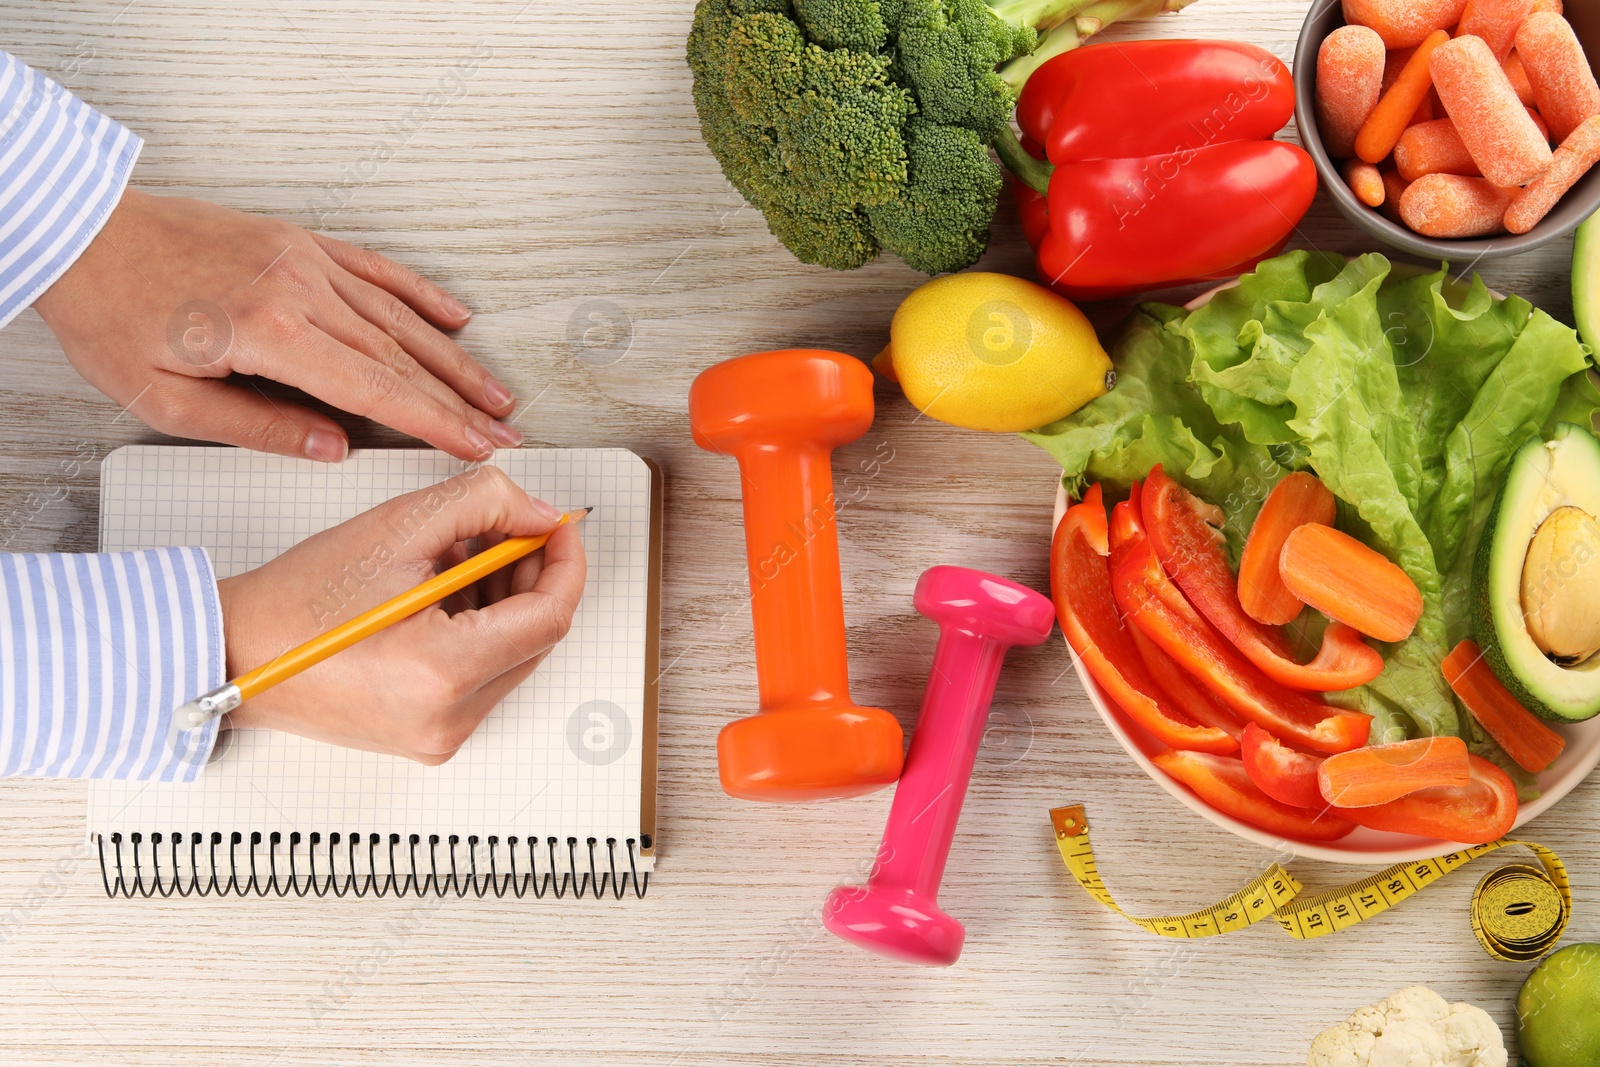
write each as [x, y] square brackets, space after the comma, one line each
[220, 701]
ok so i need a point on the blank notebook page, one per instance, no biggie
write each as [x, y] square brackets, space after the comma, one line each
[561, 756]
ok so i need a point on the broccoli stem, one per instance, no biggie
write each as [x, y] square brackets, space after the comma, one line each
[1068, 23]
[1034, 173]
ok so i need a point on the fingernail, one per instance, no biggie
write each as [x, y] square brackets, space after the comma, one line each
[479, 443]
[325, 446]
[456, 307]
[495, 393]
[548, 511]
[505, 434]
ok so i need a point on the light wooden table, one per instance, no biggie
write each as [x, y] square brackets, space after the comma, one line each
[571, 170]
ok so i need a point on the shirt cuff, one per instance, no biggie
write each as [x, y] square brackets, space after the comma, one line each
[96, 653]
[63, 167]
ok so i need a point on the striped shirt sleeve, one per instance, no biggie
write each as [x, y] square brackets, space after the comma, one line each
[63, 166]
[96, 651]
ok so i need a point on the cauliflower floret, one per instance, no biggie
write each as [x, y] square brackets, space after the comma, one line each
[1415, 1027]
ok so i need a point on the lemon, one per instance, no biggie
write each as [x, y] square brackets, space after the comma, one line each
[993, 352]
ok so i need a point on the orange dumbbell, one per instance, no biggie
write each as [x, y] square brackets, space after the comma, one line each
[781, 414]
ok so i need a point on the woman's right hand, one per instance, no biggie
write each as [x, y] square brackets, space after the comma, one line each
[419, 688]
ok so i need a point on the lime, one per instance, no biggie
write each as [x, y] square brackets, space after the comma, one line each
[1558, 1010]
[992, 352]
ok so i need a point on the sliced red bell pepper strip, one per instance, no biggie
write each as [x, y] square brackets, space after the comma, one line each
[1190, 549]
[1482, 810]
[1080, 583]
[1222, 782]
[1178, 684]
[1285, 775]
[1527, 740]
[1151, 602]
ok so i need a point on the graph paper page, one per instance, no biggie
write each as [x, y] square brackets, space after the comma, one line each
[561, 756]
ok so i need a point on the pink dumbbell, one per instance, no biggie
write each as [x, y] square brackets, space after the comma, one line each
[897, 913]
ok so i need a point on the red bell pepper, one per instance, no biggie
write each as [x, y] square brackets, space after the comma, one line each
[1482, 810]
[1080, 584]
[1178, 684]
[1138, 98]
[1279, 771]
[1221, 781]
[1159, 169]
[1190, 549]
[1152, 603]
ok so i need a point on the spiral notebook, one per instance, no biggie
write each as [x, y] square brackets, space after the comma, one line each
[554, 794]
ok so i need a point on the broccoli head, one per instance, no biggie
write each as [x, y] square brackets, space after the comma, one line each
[860, 125]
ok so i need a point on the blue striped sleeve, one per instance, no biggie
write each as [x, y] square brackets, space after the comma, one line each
[63, 166]
[95, 653]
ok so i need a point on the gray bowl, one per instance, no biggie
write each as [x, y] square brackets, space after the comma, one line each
[1580, 202]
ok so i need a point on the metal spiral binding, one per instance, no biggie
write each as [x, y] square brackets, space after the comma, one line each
[179, 878]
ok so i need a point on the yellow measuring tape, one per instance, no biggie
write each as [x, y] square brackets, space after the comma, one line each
[1518, 911]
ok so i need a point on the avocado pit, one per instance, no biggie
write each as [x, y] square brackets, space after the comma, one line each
[1561, 586]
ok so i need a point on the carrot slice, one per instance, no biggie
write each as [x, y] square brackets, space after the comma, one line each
[1517, 730]
[1382, 130]
[1298, 499]
[1364, 777]
[1349, 582]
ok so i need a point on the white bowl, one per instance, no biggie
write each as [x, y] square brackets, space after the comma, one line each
[1362, 845]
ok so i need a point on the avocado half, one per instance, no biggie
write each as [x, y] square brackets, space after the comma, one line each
[1541, 477]
[1586, 281]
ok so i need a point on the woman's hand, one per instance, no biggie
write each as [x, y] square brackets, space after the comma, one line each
[419, 688]
[174, 295]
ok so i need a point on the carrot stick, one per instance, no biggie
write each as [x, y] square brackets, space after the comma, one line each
[1517, 730]
[1298, 499]
[1363, 777]
[1382, 130]
[1349, 582]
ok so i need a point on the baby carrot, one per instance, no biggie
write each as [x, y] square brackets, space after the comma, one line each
[1454, 205]
[1394, 187]
[1388, 120]
[1394, 61]
[1563, 83]
[1403, 23]
[1432, 148]
[1496, 21]
[1539, 122]
[1518, 77]
[1298, 499]
[1378, 774]
[1571, 161]
[1504, 142]
[1527, 740]
[1365, 181]
[1349, 77]
[1347, 581]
